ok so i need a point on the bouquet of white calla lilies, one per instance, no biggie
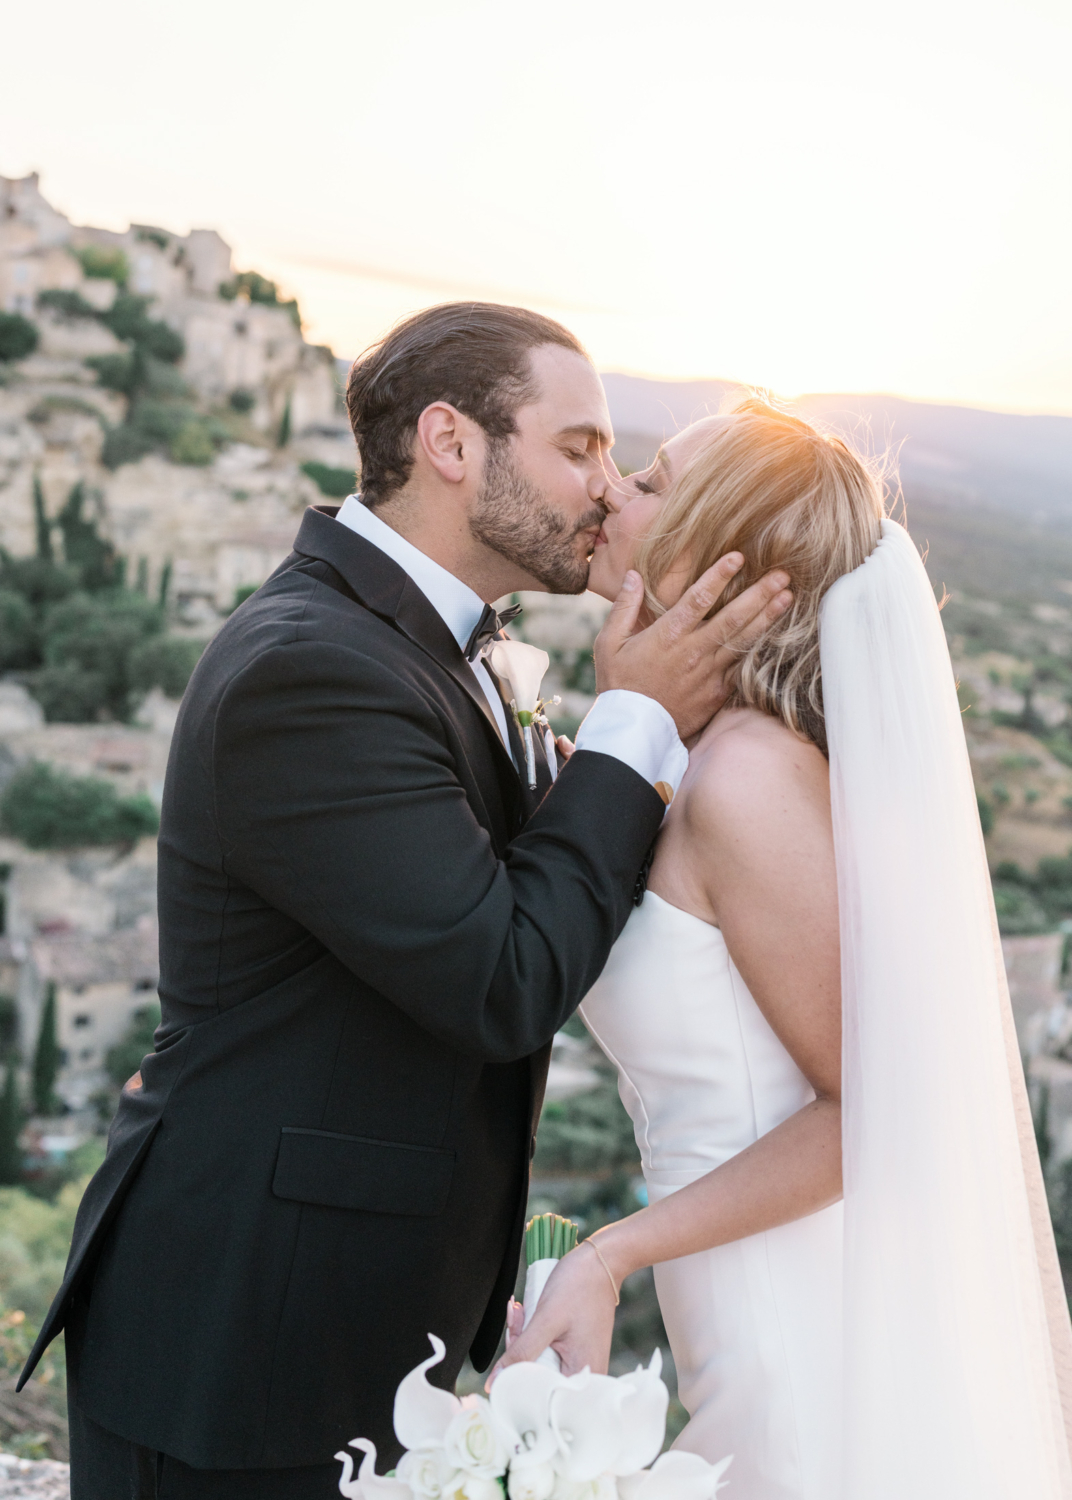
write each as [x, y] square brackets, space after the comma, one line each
[522, 668]
[540, 1436]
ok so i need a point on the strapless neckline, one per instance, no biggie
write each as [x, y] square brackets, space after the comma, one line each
[681, 912]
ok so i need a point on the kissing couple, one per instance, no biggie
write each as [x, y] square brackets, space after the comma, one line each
[759, 873]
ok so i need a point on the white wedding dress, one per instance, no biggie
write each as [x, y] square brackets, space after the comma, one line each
[914, 1340]
[754, 1326]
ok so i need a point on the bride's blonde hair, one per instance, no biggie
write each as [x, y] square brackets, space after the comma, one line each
[772, 487]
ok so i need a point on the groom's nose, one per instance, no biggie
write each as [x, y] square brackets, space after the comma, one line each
[614, 495]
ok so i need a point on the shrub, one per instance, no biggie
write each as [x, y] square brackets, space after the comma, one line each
[192, 445]
[165, 661]
[98, 634]
[242, 401]
[48, 808]
[104, 264]
[986, 814]
[590, 1132]
[67, 304]
[162, 341]
[241, 594]
[37, 579]
[125, 1058]
[125, 445]
[126, 317]
[1017, 910]
[116, 372]
[337, 483]
[34, 1239]
[18, 336]
[18, 633]
[259, 289]
[67, 695]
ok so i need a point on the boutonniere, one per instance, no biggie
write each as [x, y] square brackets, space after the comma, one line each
[521, 668]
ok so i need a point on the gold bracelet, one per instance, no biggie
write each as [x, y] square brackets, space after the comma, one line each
[610, 1274]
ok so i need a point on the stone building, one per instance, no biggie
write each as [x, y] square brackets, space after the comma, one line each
[230, 344]
[83, 920]
[215, 526]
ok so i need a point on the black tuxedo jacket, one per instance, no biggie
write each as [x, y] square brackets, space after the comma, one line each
[365, 952]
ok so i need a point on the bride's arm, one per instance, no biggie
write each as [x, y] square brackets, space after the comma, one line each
[756, 846]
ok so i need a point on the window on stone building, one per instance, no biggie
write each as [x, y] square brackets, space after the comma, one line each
[85, 1054]
[83, 1020]
[145, 984]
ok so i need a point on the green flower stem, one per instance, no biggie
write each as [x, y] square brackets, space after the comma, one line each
[549, 1237]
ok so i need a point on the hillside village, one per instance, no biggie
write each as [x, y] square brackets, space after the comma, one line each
[197, 476]
[180, 400]
[194, 474]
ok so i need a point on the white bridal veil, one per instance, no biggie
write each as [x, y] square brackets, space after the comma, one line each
[958, 1347]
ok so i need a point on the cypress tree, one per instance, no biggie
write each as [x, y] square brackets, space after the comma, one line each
[42, 526]
[283, 437]
[46, 1061]
[10, 1124]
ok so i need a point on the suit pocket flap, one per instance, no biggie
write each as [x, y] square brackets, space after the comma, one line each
[351, 1171]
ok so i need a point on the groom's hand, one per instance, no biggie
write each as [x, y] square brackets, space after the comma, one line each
[685, 661]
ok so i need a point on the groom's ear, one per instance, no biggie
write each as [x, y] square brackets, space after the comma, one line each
[451, 443]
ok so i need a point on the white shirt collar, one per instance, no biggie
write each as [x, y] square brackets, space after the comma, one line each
[457, 604]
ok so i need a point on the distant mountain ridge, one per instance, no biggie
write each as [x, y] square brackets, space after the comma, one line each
[961, 456]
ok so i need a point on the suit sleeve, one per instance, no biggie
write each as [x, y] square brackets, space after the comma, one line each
[338, 802]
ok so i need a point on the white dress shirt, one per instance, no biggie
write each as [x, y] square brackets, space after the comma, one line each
[631, 727]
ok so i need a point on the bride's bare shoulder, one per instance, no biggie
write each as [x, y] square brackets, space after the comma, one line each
[750, 768]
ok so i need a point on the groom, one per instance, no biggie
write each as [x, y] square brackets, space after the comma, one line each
[370, 934]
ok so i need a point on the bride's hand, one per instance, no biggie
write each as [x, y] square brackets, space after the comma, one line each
[575, 1316]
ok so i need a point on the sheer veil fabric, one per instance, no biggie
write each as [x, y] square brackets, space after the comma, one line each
[958, 1347]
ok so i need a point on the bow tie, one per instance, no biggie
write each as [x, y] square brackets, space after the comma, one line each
[488, 627]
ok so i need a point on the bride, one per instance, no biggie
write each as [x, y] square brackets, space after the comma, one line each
[811, 993]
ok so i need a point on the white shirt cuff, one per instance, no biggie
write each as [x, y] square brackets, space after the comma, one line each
[637, 730]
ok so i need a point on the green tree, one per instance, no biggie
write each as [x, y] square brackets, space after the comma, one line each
[986, 814]
[42, 525]
[10, 1126]
[115, 372]
[83, 546]
[18, 336]
[96, 635]
[192, 445]
[68, 305]
[18, 634]
[104, 264]
[283, 435]
[258, 288]
[46, 1061]
[165, 661]
[336, 483]
[50, 809]
[125, 1058]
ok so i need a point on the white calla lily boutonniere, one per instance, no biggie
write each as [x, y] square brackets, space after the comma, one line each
[522, 668]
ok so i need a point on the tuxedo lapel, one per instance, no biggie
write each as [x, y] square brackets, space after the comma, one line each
[378, 582]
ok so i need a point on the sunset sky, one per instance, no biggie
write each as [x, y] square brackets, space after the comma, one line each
[836, 196]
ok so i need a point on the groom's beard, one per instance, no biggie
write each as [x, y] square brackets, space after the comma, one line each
[513, 517]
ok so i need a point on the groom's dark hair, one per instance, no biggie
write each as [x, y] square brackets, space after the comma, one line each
[476, 355]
